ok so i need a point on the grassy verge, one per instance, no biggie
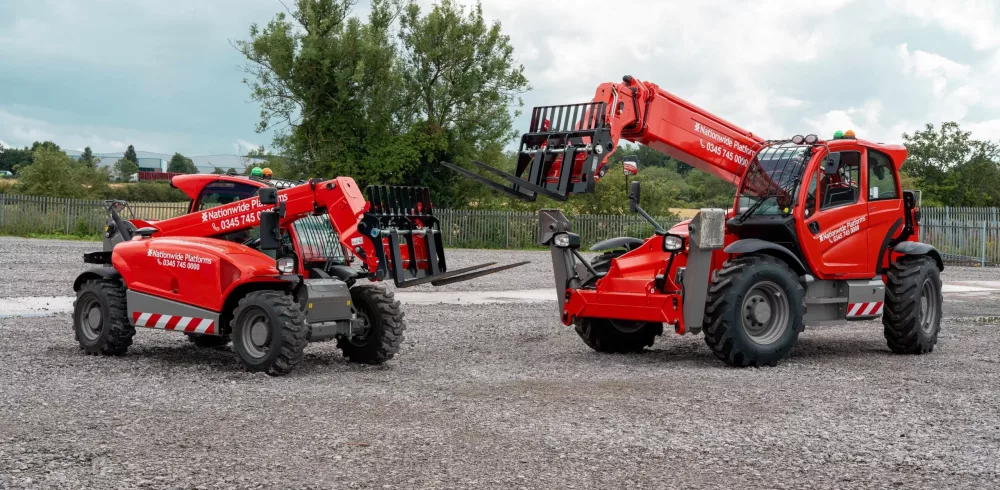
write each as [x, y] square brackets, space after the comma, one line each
[56, 236]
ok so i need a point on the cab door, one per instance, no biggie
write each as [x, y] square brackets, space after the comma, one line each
[835, 222]
[885, 207]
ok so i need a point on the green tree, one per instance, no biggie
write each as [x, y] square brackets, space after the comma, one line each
[218, 171]
[87, 158]
[13, 158]
[951, 168]
[53, 173]
[48, 145]
[182, 164]
[125, 169]
[381, 103]
[131, 156]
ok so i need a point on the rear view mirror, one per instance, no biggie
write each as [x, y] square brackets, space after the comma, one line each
[631, 165]
[831, 164]
[633, 197]
[268, 195]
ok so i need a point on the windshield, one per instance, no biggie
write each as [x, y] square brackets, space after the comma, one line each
[772, 179]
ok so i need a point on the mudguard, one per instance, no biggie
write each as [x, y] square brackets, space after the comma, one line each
[920, 248]
[751, 245]
[626, 242]
[95, 273]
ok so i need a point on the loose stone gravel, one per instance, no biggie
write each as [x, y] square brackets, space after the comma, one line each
[495, 396]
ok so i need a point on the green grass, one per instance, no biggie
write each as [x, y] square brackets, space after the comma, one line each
[57, 236]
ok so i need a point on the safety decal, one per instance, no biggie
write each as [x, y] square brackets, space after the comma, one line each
[864, 309]
[176, 323]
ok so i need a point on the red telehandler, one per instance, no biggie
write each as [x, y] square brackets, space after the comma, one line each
[820, 232]
[267, 264]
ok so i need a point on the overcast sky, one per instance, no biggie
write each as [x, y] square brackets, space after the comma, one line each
[162, 75]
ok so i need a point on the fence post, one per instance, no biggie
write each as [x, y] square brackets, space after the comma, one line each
[506, 233]
[982, 246]
[3, 211]
[67, 216]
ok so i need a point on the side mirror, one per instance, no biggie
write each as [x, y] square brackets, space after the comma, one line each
[630, 166]
[270, 238]
[268, 195]
[633, 197]
[831, 165]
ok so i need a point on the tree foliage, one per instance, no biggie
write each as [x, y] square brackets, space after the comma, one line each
[384, 100]
[13, 158]
[88, 158]
[131, 156]
[952, 168]
[53, 173]
[125, 169]
[181, 164]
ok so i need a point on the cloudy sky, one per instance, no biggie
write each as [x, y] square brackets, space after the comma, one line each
[162, 75]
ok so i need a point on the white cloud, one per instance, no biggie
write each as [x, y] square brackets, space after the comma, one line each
[24, 130]
[975, 20]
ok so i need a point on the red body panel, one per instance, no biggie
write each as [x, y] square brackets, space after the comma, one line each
[195, 271]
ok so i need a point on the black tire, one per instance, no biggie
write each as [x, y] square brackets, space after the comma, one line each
[208, 341]
[615, 336]
[754, 311]
[383, 335]
[912, 316]
[100, 318]
[269, 332]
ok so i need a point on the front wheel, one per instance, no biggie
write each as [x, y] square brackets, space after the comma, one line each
[754, 311]
[100, 319]
[378, 333]
[912, 317]
[269, 332]
[615, 336]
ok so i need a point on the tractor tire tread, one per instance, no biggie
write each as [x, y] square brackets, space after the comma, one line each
[292, 322]
[901, 315]
[121, 331]
[393, 326]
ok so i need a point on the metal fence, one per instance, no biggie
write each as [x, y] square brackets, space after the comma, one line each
[966, 236]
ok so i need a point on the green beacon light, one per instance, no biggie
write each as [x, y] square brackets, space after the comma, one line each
[838, 135]
[256, 172]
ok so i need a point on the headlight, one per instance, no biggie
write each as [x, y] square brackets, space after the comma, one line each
[567, 240]
[286, 265]
[672, 243]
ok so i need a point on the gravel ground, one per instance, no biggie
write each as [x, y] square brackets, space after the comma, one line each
[495, 396]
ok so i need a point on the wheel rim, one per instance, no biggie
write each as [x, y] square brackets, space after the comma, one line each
[928, 306]
[765, 313]
[91, 318]
[255, 333]
[364, 325]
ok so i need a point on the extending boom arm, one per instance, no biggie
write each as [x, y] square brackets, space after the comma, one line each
[567, 147]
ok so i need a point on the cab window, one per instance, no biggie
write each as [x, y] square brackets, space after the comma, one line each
[881, 177]
[220, 193]
[841, 186]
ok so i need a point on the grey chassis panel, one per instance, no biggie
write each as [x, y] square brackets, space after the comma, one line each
[751, 245]
[827, 301]
[706, 233]
[919, 248]
[620, 242]
[145, 303]
[328, 300]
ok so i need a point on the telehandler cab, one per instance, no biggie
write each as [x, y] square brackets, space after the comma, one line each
[268, 264]
[820, 232]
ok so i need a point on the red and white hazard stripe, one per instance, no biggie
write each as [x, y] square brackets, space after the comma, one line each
[173, 322]
[864, 309]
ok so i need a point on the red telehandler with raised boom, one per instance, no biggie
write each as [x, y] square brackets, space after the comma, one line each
[820, 232]
[268, 265]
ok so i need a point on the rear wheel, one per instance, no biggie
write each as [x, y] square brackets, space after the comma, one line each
[100, 319]
[269, 332]
[912, 317]
[616, 336]
[379, 330]
[754, 311]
